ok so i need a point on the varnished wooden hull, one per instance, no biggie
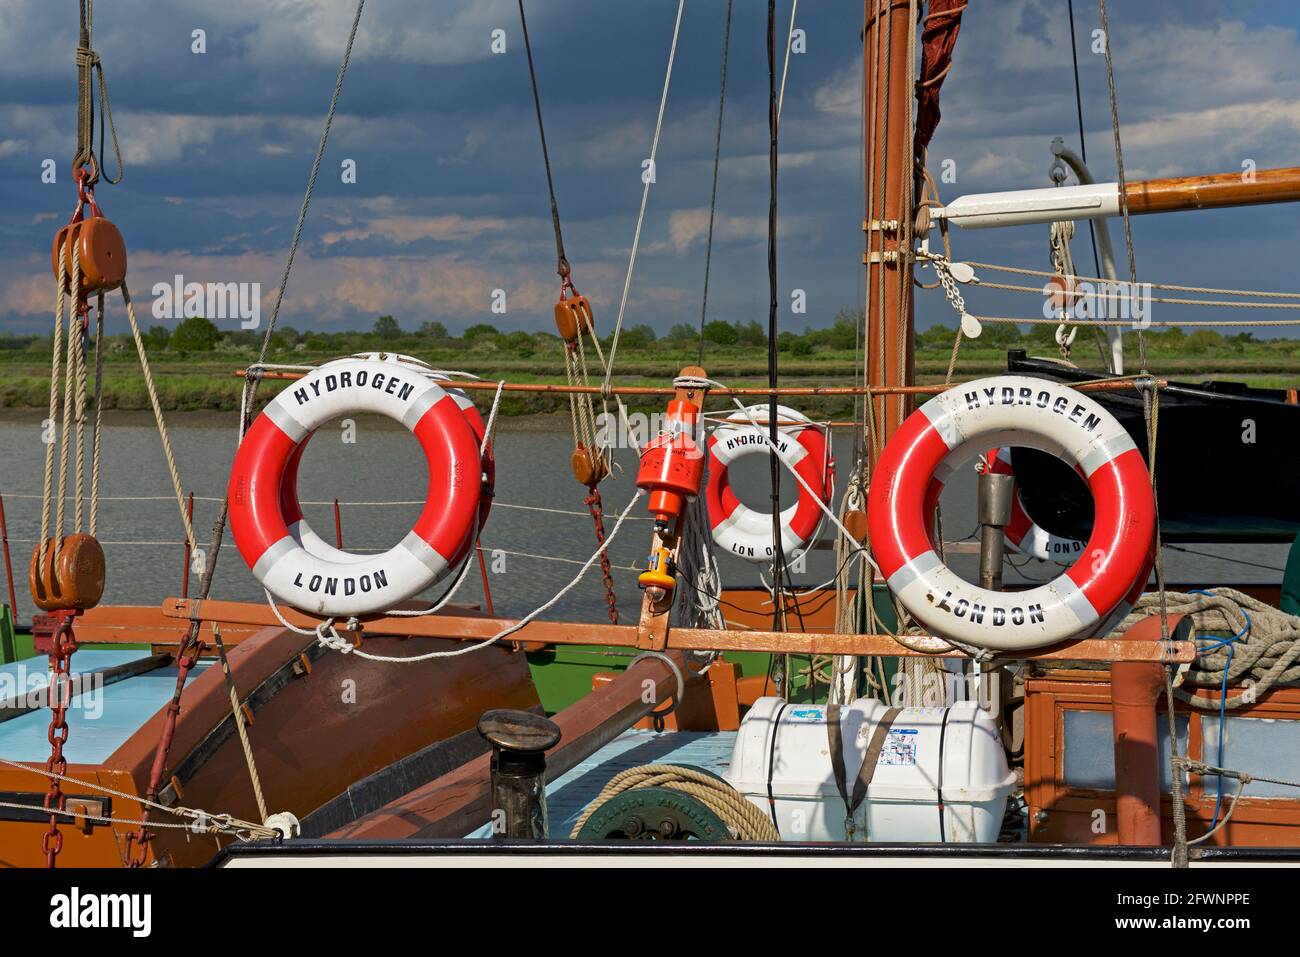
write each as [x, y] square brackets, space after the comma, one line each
[321, 721]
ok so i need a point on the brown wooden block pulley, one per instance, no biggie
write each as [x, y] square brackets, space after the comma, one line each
[855, 523]
[572, 317]
[103, 253]
[71, 575]
[589, 466]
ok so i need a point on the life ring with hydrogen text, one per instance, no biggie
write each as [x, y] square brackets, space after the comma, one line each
[306, 536]
[346, 386]
[744, 531]
[1011, 411]
[1023, 533]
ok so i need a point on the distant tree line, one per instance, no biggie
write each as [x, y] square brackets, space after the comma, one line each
[843, 335]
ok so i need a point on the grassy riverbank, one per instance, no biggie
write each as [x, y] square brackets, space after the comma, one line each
[194, 365]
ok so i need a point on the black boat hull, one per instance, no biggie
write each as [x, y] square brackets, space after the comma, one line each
[1228, 466]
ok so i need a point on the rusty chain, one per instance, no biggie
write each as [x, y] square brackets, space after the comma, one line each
[593, 503]
[137, 844]
[63, 644]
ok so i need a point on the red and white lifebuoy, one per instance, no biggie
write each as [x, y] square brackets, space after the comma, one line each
[356, 587]
[746, 532]
[306, 536]
[1023, 533]
[1013, 411]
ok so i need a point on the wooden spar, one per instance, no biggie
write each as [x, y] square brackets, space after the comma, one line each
[1101, 200]
[479, 628]
[461, 800]
[1214, 191]
[796, 390]
[890, 346]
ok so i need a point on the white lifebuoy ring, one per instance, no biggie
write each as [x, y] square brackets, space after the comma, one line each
[1019, 411]
[744, 531]
[306, 536]
[283, 566]
[1024, 534]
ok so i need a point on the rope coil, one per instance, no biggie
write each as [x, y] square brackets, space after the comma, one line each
[743, 819]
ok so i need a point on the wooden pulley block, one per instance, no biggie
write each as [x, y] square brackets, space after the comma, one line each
[102, 252]
[1061, 291]
[71, 576]
[573, 317]
[855, 522]
[589, 466]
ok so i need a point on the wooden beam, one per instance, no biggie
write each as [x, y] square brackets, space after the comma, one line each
[1214, 191]
[754, 391]
[479, 628]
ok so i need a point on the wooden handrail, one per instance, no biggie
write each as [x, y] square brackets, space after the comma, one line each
[479, 628]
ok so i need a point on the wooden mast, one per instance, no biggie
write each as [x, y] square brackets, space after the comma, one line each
[888, 77]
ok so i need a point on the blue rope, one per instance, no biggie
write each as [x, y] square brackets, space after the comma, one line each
[1230, 644]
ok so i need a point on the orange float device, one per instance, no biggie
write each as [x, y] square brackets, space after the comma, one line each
[672, 464]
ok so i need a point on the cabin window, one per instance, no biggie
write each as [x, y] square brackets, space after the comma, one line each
[1264, 746]
[1090, 749]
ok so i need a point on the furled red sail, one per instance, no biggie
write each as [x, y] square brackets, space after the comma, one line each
[938, 37]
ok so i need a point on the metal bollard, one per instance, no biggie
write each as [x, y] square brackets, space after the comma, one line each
[993, 506]
[520, 740]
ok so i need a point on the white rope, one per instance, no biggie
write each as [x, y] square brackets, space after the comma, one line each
[785, 70]
[645, 197]
[330, 638]
[556, 558]
[496, 503]
[218, 821]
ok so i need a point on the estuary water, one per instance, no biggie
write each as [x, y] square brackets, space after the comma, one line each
[535, 540]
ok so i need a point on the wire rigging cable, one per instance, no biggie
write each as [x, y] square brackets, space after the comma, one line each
[774, 466]
[562, 263]
[1083, 141]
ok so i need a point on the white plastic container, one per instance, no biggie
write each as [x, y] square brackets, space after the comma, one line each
[785, 748]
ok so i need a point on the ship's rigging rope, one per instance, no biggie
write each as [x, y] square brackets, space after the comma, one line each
[742, 818]
[562, 263]
[713, 192]
[1211, 290]
[237, 714]
[1108, 289]
[189, 644]
[774, 467]
[785, 69]
[648, 177]
[1151, 411]
[1078, 109]
[88, 62]
[582, 411]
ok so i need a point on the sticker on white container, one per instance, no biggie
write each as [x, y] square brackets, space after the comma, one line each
[900, 748]
[808, 714]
